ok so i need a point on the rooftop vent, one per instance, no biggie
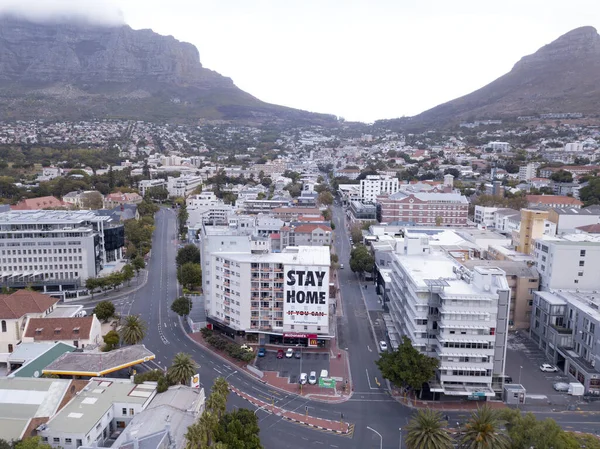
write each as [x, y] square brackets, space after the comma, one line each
[57, 330]
[39, 330]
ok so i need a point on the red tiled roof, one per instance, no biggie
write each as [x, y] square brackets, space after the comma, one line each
[553, 199]
[311, 228]
[297, 210]
[320, 218]
[590, 229]
[22, 302]
[275, 236]
[42, 202]
[73, 328]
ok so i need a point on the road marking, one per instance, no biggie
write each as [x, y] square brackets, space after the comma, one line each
[217, 371]
[369, 348]
[369, 380]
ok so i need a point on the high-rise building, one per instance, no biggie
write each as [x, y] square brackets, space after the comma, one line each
[374, 185]
[454, 314]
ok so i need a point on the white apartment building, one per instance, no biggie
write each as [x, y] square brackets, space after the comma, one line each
[202, 199]
[146, 184]
[499, 146]
[277, 297]
[183, 186]
[457, 315]
[56, 249]
[573, 146]
[528, 171]
[568, 262]
[375, 185]
[485, 216]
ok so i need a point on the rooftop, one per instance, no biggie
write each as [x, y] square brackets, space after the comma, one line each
[573, 211]
[71, 328]
[99, 363]
[553, 199]
[50, 216]
[23, 302]
[510, 267]
[24, 399]
[35, 357]
[86, 409]
[293, 255]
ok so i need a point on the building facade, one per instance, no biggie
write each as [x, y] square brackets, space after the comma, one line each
[456, 315]
[374, 185]
[485, 216]
[533, 225]
[424, 209]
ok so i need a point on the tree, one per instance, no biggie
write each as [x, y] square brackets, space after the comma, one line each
[111, 340]
[482, 431]
[454, 172]
[190, 275]
[590, 194]
[182, 369]
[327, 214]
[239, 430]
[189, 253]
[182, 218]
[426, 431]
[182, 306]
[104, 310]
[32, 443]
[325, 198]
[92, 200]
[127, 273]
[356, 234]
[133, 330]
[138, 264]
[406, 366]
[526, 431]
[562, 176]
[5, 444]
[361, 260]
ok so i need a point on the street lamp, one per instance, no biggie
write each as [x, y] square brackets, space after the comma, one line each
[400, 443]
[231, 374]
[520, 368]
[380, 437]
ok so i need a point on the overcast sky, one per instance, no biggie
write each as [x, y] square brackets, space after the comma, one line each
[359, 59]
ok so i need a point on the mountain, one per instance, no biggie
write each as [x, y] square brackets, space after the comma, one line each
[563, 76]
[61, 71]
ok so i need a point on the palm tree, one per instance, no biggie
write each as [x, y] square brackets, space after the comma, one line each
[426, 431]
[482, 431]
[182, 369]
[133, 330]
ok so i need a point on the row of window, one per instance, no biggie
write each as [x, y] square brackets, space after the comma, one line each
[41, 259]
[18, 252]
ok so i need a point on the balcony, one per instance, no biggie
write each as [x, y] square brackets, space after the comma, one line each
[562, 329]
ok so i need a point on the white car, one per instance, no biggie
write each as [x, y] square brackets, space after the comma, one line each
[312, 378]
[561, 386]
[547, 368]
[289, 353]
[383, 346]
[303, 379]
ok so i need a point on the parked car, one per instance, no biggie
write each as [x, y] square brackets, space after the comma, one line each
[262, 352]
[561, 386]
[383, 345]
[341, 266]
[547, 368]
[312, 378]
[303, 379]
[298, 354]
[289, 353]
[246, 348]
[280, 353]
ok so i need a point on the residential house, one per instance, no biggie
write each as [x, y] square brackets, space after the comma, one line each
[81, 332]
[113, 200]
[43, 202]
[550, 201]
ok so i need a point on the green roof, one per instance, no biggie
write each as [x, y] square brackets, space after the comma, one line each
[43, 360]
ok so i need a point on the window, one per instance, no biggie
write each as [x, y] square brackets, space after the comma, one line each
[582, 263]
[10, 348]
[576, 281]
[582, 253]
[124, 411]
[3, 326]
[68, 441]
[131, 412]
[56, 440]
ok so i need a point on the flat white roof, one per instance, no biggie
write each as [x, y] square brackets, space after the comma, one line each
[292, 255]
[50, 216]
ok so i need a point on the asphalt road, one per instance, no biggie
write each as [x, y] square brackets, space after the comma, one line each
[370, 406]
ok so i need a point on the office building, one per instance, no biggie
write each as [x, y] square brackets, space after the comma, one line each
[56, 250]
[566, 326]
[454, 314]
[528, 171]
[567, 220]
[485, 216]
[183, 186]
[533, 225]
[374, 185]
[568, 262]
[147, 184]
[423, 209]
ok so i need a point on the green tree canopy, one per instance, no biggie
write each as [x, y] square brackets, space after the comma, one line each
[182, 306]
[182, 369]
[104, 310]
[111, 340]
[561, 176]
[406, 366]
[427, 430]
[189, 253]
[32, 443]
[239, 430]
[590, 194]
[190, 275]
[361, 260]
[138, 264]
[484, 431]
[133, 330]
[325, 198]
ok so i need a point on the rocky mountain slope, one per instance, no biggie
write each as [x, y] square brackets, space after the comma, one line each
[71, 72]
[563, 76]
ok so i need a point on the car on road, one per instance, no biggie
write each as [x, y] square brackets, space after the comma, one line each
[280, 353]
[303, 379]
[547, 368]
[383, 345]
[298, 354]
[561, 386]
[341, 266]
[312, 378]
[262, 352]
[289, 353]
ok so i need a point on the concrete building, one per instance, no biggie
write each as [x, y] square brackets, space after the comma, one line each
[359, 212]
[424, 209]
[567, 220]
[305, 235]
[523, 281]
[506, 220]
[566, 326]
[528, 171]
[568, 262]
[81, 332]
[553, 201]
[101, 410]
[294, 213]
[485, 216]
[147, 184]
[502, 147]
[183, 186]
[57, 250]
[15, 309]
[374, 185]
[533, 225]
[253, 292]
[116, 199]
[454, 314]
[263, 206]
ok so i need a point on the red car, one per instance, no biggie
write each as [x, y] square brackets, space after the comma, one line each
[280, 353]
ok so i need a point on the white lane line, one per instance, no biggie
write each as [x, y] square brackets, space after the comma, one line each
[217, 371]
[369, 380]
[369, 348]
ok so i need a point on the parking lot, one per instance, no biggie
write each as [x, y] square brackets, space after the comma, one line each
[522, 352]
[291, 368]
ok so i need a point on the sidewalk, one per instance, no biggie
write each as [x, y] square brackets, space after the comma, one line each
[110, 295]
[449, 406]
[319, 423]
